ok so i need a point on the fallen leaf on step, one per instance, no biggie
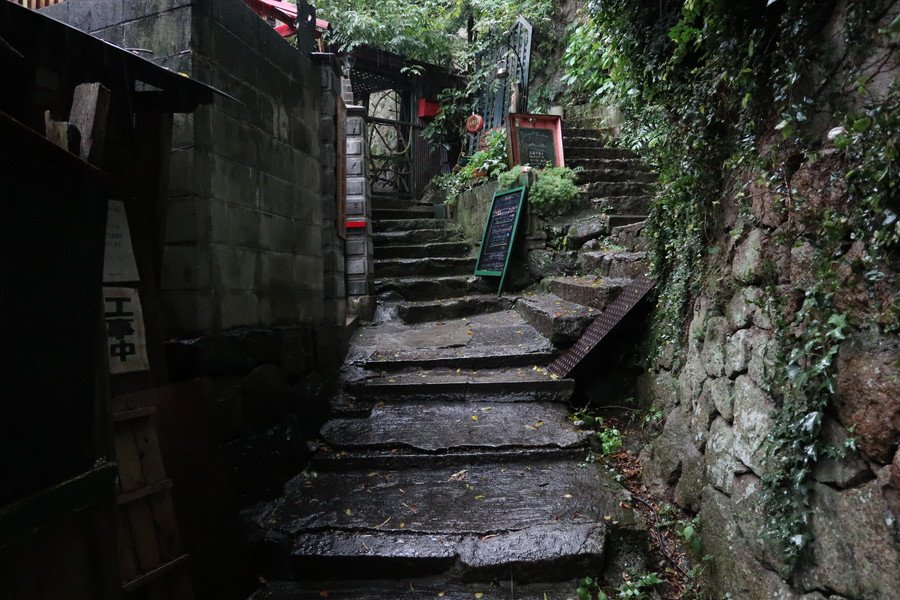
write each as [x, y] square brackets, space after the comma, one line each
[348, 512]
[458, 476]
[474, 417]
[479, 595]
[479, 497]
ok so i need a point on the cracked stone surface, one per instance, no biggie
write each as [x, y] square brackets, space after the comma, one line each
[449, 456]
[504, 336]
[415, 589]
[457, 425]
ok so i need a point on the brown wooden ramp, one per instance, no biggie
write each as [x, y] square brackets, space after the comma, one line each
[600, 328]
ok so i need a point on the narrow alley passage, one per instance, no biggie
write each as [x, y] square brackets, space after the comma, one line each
[450, 464]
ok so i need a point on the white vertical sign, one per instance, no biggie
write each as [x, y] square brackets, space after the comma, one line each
[125, 335]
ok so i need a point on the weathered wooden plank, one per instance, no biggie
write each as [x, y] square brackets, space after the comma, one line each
[90, 107]
[128, 568]
[151, 576]
[153, 488]
[40, 510]
[132, 414]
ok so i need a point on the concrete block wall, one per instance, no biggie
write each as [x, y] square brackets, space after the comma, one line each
[243, 238]
[330, 122]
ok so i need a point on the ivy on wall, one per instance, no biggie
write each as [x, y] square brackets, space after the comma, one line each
[713, 92]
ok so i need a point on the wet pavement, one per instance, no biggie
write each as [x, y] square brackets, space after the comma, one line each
[450, 468]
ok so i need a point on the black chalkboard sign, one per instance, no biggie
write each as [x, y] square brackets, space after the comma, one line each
[500, 233]
[537, 147]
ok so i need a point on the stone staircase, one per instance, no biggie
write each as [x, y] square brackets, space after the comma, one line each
[610, 248]
[449, 462]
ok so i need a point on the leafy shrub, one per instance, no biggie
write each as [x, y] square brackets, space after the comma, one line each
[553, 192]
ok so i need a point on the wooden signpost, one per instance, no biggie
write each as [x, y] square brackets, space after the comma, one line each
[500, 233]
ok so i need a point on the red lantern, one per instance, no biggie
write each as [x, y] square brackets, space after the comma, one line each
[474, 123]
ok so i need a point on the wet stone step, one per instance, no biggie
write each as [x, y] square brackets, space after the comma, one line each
[434, 427]
[439, 249]
[403, 213]
[328, 459]
[630, 236]
[622, 205]
[426, 288]
[584, 140]
[382, 225]
[412, 589]
[530, 383]
[415, 236]
[596, 152]
[601, 189]
[592, 175]
[531, 521]
[625, 219]
[558, 320]
[589, 290]
[410, 267]
[501, 339]
[613, 264]
[452, 308]
[628, 164]
[597, 134]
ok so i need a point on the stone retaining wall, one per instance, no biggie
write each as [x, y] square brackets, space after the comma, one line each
[714, 390]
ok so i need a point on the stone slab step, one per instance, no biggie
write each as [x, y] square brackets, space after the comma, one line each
[411, 589]
[381, 225]
[415, 236]
[603, 189]
[639, 205]
[453, 308]
[412, 267]
[620, 219]
[588, 140]
[530, 383]
[501, 339]
[595, 152]
[426, 288]
[425, 212]
[528, 521]
[589, 290]
[436, 250]
[629, 164]
[328, 459]
[558, 320]
[596, 134]
[630, 236]
[613, 264]
[442, 428]
[614, 175]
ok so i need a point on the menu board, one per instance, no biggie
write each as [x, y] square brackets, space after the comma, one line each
[537, 147]
[500, 233]
[535, 140]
